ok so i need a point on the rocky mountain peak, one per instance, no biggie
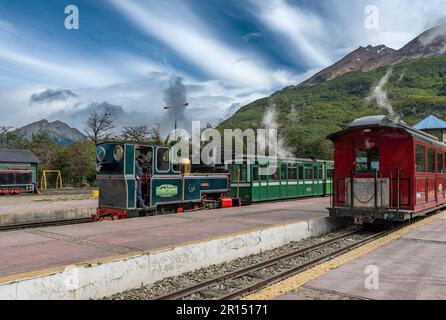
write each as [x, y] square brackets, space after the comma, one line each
[58, 131]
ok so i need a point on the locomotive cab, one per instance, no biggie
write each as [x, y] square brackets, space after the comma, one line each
[165, 187]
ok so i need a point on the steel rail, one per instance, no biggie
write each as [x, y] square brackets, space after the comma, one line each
[300, 268]
[182, 293]
[43, 224]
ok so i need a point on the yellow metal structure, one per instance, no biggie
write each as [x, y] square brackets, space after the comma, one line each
[44, 181]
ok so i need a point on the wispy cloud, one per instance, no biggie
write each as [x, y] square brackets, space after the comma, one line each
[33, 58]
[181, 30]
[252, 35]
[53, 71]
[301, 29]
[223, 64]
[399, 21]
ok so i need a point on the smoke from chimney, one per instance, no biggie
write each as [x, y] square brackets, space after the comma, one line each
[175, 99]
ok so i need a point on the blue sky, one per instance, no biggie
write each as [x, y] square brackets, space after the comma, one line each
[228, 52]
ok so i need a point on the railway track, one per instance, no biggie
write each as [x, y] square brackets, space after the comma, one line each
[43, 224]
[243, 281]
[68, 191]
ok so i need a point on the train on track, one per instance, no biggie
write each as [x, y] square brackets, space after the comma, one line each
[18, 172]
[168, 188]
[386, 171]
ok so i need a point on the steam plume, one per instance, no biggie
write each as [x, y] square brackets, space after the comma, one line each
[270, 122]
[379, 95]
[175, 99]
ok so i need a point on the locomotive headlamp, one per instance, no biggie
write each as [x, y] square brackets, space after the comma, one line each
[118, 153]
[100, 154]
[367, 130]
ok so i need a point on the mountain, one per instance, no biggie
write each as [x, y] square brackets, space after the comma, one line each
[58, 131]
[361, 59]
[409, 83]
[430, 43]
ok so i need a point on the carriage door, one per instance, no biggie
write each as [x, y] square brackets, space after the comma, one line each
[263, 182]
[440, 177]
[308, 179]
[432, 176]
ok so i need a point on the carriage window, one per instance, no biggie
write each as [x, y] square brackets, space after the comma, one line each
[421, 158]
[7, 178]
[162, 159]
[308, 172]
[292, 173]
[440, 164]
[367, 160]
[263, 172]
[255, 173]
[431, 160]
[330, 173]
[301, 172]
[283, 174]
[274, 172]
[318, 173]
[237, 169]
[23, 178]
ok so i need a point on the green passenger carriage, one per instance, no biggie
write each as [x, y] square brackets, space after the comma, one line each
[263, 179]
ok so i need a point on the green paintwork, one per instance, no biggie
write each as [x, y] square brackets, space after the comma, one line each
[117, 182]
[166, 191]
[129, 159]
[312, 182]
[131, 193]
[23, 166]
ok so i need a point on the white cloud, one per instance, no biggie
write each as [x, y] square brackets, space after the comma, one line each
[235, 76]
[182, 31]
[142, 102]
[81, 74]
[252, 35]
[302, 30]
[30, 57]
[399, 22]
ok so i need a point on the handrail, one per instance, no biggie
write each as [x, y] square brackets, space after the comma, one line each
[396, 185]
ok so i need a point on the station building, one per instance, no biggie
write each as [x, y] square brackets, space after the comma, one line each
[433, 126]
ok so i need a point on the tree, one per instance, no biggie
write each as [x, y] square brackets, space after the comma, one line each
[99, 126]
[9, 138]
[442, 91]
[136, 134]
[43, 147]
[81, 156]
[155, 136]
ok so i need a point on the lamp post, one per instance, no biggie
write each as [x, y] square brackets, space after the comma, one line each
[175, 115]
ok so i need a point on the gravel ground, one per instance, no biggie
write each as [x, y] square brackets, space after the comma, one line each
[171, 284]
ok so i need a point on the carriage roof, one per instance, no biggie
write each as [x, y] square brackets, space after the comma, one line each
[382, 121]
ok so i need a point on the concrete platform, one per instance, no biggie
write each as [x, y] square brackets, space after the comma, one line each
[33, 209]
[412, 267]
[111, 257]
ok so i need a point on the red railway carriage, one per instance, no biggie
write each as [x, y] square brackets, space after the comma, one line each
[386, 171]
